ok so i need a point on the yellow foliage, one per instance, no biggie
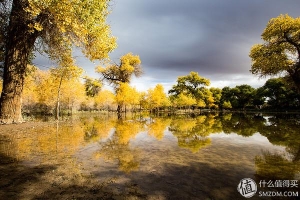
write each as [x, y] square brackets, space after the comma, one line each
[104, 99]
[49, 141]
[185, 126]
[158, 127]
[1, 85]
[72, 93]
[280, 51]
[121, 73]
[129, 61]
[208, 98]
[126, 95]
[201, 103]
[125, 130]
[79, 22]
[157, 97]
[46, 89]
[43, 87]
[184, 100]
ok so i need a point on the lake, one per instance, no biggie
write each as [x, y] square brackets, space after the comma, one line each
[98, 156]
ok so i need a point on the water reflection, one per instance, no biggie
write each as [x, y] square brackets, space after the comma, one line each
[161, 150]
[117, 146]
[157, 127]
[192, 133]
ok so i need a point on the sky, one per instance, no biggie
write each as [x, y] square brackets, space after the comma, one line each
[174, 37]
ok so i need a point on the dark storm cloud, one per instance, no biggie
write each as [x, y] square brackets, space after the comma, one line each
[212, 37]
[174, 37]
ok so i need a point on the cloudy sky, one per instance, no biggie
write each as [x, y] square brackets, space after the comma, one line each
[174, 37]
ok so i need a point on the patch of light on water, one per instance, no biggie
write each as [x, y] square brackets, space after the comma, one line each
[256, 139]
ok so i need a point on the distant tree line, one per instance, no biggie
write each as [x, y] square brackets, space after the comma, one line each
[48, 92]
[49, 30]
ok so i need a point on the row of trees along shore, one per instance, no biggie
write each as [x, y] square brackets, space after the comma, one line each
[191, 93]
[54, 28]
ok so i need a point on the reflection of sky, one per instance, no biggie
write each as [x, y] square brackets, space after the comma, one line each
[230, 139]
[255, 139]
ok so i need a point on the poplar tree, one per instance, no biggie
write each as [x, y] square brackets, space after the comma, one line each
[52, 27]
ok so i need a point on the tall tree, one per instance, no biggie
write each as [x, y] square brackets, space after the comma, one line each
[183, 100]
[281, 51]
[52, 27]
[61, 74]
[279, 94]
[157, 98]
[126, 95]
[217, 94]
[116, 74]
[194, 85]
[0, 86]
[243, 94]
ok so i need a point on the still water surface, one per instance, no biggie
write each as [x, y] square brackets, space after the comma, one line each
[158, 157]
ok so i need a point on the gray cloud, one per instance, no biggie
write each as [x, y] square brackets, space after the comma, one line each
[206, 36]
[174, 37]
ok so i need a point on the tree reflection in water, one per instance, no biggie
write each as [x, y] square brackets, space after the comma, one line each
[113, 140]
[118, 148]
[283, 131]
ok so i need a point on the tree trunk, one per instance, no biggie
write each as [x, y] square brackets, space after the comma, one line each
[19, 45]
[119, 108]
[58, 98]
[296, 78]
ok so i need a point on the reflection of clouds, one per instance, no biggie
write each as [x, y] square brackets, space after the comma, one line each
[234, 138]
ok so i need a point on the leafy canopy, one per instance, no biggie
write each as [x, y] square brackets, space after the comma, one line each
[122, 73]
[280, 52]
[193, 85]
[62, 24]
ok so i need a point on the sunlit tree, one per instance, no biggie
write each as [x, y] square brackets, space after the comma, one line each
[117, 74]
[104, 99]
[72, 94]
[280, 52]
[31, 81]
[126, 96]
[195, 85]
[52, 27]
[157, 98]
[226, 105]
[65, 72]
[217, 94]
[1, 82]
[46, 91]
[183, 100]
